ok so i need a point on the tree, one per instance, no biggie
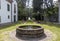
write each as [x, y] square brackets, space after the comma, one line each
[51, 11]
[37, 9]
[37, 5]
[22, 12]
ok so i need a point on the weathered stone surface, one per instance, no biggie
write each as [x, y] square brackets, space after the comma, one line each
[34, 31]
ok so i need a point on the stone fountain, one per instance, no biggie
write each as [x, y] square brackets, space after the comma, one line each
[29, 31]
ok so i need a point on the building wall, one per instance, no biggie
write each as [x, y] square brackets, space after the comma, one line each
[4, 12]
[59, 12]
[13, 11]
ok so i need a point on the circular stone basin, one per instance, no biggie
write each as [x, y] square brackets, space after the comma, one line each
[29, 31]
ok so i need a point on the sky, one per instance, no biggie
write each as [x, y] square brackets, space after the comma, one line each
[55, 0]
[30, 4]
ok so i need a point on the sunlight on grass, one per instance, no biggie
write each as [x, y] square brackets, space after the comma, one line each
[55, 28]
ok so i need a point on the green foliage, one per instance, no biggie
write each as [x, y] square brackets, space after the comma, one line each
[22, 12]
[52, 12]
[37, 5]
[49, 12]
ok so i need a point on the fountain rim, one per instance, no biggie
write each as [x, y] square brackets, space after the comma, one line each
[29, 29]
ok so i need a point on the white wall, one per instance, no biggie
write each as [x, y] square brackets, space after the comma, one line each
[59, 12]
[14, 2]
[4, 12]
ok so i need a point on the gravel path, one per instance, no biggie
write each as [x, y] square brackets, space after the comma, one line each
[49, 36]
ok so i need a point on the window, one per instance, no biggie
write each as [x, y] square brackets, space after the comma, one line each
[14, 8]
[8, 17]
[8, 7]
[0, 18]
[0, 4]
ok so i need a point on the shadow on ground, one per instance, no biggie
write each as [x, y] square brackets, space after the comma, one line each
[32, 38]
[4, 26]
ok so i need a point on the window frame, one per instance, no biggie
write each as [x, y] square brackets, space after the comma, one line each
[8, 17]
[8, 7]
[0, 19]
[14, 8]
[0, 4]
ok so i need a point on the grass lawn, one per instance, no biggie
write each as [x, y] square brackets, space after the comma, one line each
[55, 28]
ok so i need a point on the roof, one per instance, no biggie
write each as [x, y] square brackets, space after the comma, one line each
[10, 1]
